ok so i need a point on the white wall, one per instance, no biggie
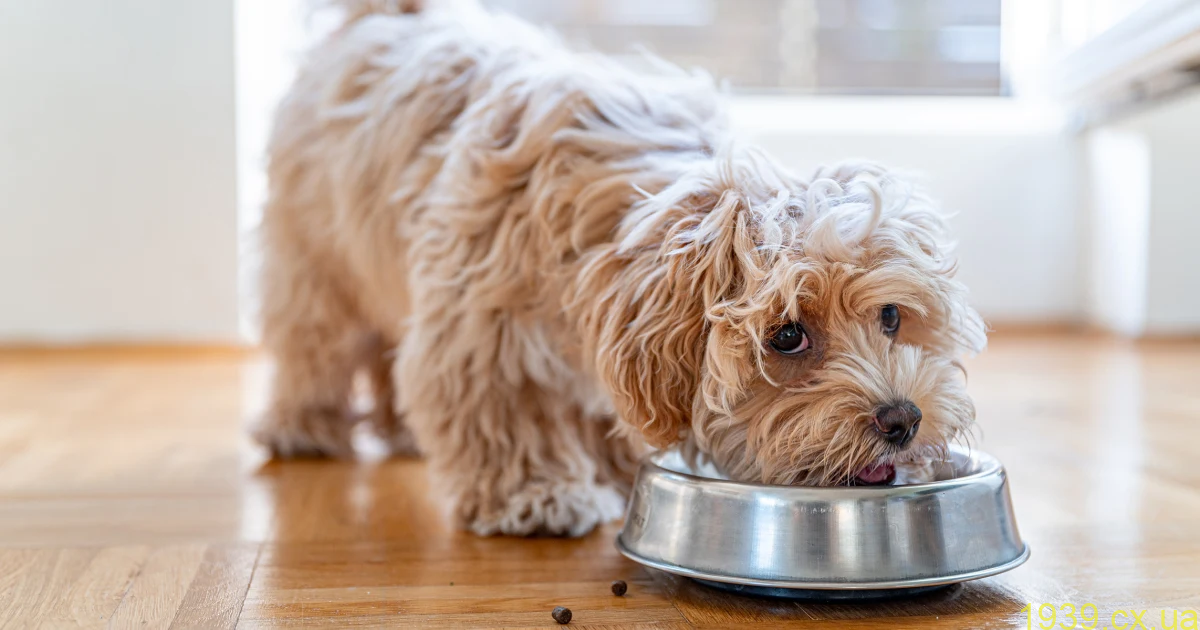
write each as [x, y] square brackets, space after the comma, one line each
[1119, 228]
[117, 173]
[1173, 249]
[1145, 218]
[1008, 172]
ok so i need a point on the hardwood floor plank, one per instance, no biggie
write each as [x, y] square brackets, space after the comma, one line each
[96, 590]
[119, 520]
[516, 604]
[452, 621]
[454, 557]
[157, 591]
[129, 497]
[1147, 566]
[214, 599]
[32, 580]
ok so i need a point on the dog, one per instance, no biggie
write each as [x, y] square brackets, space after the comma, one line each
[547, 263]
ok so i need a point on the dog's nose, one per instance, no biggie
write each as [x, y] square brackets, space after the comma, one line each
[898, 424]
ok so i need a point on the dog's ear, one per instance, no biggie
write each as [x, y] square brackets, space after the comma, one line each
[907, 228]
[958, 321]
[946, 322]
[644, 303]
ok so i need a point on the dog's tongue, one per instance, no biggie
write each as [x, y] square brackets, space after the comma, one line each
[876, 474]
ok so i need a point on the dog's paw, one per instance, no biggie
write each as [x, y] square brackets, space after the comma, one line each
[396, 436]
[314, 432]
[402, 442]
[551, 508]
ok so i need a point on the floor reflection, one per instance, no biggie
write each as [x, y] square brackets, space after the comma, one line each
[316, 500]
[948, 607]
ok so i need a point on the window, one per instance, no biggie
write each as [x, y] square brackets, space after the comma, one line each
[807, 46]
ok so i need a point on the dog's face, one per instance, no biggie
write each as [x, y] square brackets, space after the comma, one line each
[831, 373]
[805, 334]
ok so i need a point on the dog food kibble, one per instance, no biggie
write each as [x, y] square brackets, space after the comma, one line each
[561, 614]
[619, 587]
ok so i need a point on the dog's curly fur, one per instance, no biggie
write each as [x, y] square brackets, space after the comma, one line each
[570, 260]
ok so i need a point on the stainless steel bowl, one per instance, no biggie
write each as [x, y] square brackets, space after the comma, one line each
[796, 541]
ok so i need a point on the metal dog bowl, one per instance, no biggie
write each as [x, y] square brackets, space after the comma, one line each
[828, 543]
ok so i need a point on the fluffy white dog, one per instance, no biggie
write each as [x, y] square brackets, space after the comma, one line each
[571, 260]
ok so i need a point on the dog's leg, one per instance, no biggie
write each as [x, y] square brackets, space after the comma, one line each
[386, 419]
[315, 339]
[534, 473]
[512, 458]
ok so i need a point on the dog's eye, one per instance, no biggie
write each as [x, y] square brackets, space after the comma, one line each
[890, 318]
[790, 339]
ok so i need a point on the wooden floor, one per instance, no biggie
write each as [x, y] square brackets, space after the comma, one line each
[129, 498]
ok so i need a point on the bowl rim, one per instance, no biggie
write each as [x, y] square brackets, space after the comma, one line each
[986, 464]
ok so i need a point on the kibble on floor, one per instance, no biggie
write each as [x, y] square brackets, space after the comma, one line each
[561, 614]
[619, 587]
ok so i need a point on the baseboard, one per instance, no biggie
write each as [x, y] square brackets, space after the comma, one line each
[109, 349]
